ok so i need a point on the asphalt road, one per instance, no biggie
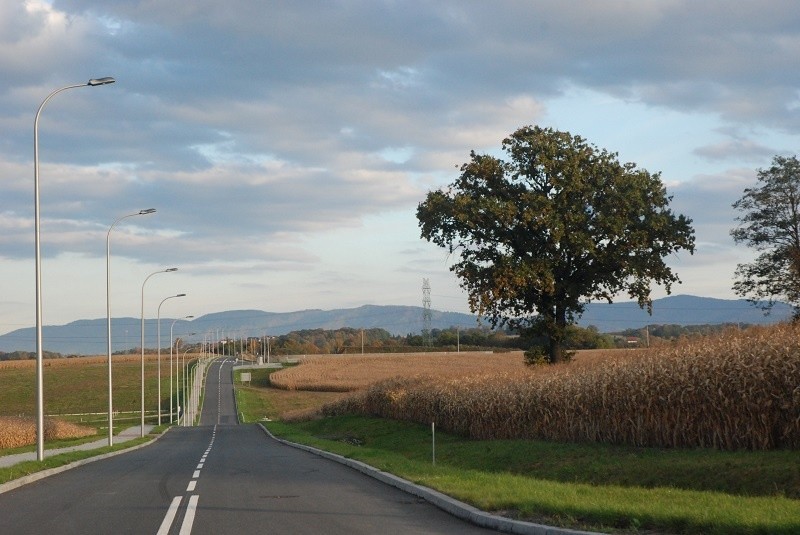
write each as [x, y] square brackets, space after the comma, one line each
[218, 477]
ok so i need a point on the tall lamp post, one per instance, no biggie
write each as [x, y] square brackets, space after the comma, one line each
[185, 373]
[168, 270]
[108, 317]
[172, 343]
[159, 351]
[39, 372]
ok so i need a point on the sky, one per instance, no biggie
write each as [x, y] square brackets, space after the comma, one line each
[286, 145]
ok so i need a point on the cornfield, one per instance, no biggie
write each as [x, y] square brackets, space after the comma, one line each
[737, 390]
[16, 432]
[81, 361]
[350, 373]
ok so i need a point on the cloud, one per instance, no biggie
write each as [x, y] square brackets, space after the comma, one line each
[732, 149]
[265, 132]
[708, 199]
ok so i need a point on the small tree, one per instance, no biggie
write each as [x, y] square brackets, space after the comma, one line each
[771, 224]
[556, 225]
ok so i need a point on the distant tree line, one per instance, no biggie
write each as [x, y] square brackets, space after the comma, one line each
[25, 355]
[656, 334]
[350, 340]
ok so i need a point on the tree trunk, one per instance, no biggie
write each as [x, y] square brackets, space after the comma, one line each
[558, 334]
[556, 351]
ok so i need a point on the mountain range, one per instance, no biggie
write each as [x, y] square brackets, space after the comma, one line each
[88, 337]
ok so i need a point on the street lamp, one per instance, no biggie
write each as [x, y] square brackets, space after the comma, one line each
[108, 316]
[158, 323]
[185, 373]
[168, 270]
[172, 343]
[39, 351]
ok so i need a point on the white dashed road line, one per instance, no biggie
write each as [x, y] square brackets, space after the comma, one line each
[167, 522]
[191, 506]
[188, 520]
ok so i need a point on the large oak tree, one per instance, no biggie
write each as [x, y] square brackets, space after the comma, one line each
[770, 223]
[556, 225]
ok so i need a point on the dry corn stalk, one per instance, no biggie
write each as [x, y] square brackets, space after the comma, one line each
[731, 391]
[21, 431]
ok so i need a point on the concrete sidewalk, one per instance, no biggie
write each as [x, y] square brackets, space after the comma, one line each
[124, 436]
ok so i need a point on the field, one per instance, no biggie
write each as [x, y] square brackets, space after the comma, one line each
[749, 378]
[743, 386]
[348, 373]
[738, 390]
[76, 391]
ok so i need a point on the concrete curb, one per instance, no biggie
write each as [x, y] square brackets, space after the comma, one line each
[30, 478]
[442, 501]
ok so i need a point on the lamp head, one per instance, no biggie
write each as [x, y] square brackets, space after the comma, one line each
[189, 317]
[147, 211]
[181, 295]
[101, 81]
[168, 270]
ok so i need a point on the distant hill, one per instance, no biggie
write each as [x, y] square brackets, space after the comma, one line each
[88, 337]
[680, 310]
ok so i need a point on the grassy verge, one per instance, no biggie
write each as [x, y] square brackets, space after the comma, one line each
[579, 486]
[256, 403]
[50, 445]
[586, 486]
[29, 467]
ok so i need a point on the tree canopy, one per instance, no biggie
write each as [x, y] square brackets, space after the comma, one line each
[557, 224]
[770, 223]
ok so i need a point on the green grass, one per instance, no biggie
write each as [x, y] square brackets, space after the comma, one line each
[51, 444]
[555, 488]
[259, 377]
[252, 405]
[258, 401]
[82, 387]
[586, 486]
